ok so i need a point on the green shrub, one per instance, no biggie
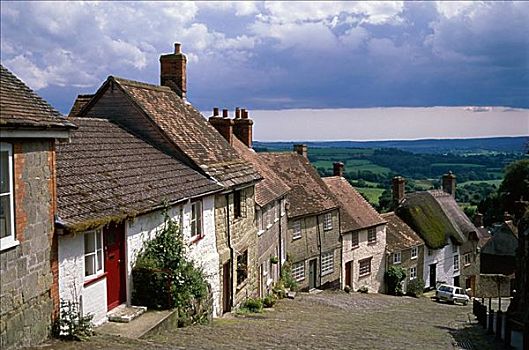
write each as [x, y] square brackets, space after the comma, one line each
[394, 277]
[363, 289]
[252, 305]
[286, 276]
[415, 287]
[269, 301]
[71, 324]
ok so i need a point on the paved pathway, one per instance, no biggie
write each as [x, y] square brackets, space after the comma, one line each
[329, 320]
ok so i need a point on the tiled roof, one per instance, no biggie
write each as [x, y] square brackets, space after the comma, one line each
[435, 217]
[502, 242]
[106, 173]
[483, 236]
[355, 212]
[79, 103]
[308, 193]
[190, 132]
[399, 236]
[271, 187]
[21, 107]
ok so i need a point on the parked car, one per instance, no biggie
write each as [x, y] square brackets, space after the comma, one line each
[452, 294]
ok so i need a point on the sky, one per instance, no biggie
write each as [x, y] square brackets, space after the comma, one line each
[270, 57]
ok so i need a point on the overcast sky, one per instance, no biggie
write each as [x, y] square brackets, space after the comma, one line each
[283, 55]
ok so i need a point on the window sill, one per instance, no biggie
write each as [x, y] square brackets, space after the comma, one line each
[396, 263]
[355, 247]
[296, 238]
[93, 280]
[260, 232]
[327, 229]
[276, 219]
[372, 243]
[196, 239]
[242, 285]
[268, 226]
[327, 273]
[364, 275]
[413, 258]
[9, 245]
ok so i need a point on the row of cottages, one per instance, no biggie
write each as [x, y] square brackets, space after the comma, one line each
[168, 152]
[30, 130]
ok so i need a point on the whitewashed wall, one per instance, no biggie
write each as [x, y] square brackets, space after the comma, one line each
[93, 298]
[444, 258]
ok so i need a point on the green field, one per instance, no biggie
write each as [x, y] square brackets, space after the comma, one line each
[371, 193]
[423, 184]
[354, 165]
[496, 182]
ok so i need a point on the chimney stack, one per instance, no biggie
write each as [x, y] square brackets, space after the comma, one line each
[337, 168]
[398, 189]
[223, 124]
[301, 150]
[243, 127]
[173, 71]
[449, 183]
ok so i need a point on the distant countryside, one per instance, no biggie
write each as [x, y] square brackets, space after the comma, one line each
[369, 166]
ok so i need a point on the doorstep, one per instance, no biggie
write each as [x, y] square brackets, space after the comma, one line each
[148, 323]
[125, 314]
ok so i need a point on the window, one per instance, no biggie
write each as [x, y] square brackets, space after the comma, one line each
[327, 263]
[327, 222]
[365, 267]
[93, 253]
[414, 252]
[196, 219]
[396, 258]
[7, 223]
[283, 202]
[429, 252]
[237, 212]
[413, 272]
[298, 271]
[454, 249]
[242, 267]
[354, 240]
[276, 210]
[456, 262]
[259, 220]
[269, 216]
[296, 227]
[467, 259]
[371, 235]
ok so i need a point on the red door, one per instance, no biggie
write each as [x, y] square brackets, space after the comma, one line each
[114, 237]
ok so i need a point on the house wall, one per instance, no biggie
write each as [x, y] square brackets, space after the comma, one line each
[470, 271]
[307, 247]
[27, 291]
[444, 258]
[376, 251]
[407, 262]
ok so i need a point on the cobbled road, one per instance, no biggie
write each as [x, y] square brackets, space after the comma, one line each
[328, 320]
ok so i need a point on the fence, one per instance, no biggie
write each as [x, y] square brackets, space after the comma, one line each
[511, 332]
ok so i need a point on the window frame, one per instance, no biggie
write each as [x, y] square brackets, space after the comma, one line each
[327, 221]
[327, 263]
[355, 240]
[372, 235]
[193, 220]
[259, 221]
[456, 262]
[397, 258]
[296, 230]
[360, 262]
[98, 235]
[298, 271]
[237, 207]
[10, 240]
[414, 253]
[467, 259]
[242, 268]
[413, 272]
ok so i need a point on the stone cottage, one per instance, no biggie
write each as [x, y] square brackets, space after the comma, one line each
[363, 236]
[313, 237]
[161, 115]
[113, 188]
[29, 131]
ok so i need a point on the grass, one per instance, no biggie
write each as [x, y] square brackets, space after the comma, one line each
[458, 165]
[423, 184]
[372, 194]
[496, 182]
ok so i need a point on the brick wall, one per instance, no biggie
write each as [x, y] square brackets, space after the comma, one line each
[26, 285]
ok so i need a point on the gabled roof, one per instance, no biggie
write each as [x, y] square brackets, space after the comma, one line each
[399, 235]
[355, 212]
[188, 131]
[20, 107]
[308, 193]
[436, 217]
[483, 236]
[106, 173]
[78, 105]
[271, 187]
[502, 242]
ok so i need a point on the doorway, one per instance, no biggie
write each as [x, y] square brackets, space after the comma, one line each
[348, 271]
[313, 264]
[226, 287]
[114, 243]
[433, 275]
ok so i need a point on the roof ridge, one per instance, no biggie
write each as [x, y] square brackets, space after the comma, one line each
[140, 84]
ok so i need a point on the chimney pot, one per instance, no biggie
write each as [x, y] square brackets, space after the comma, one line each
[245, 114]
[338, 169]
[177, 48]
[237, 112]
[215, 111]
[478, 220]
[224, 113]
[243, 127]
[173, 71]
[301, 149]
[398, 189]
[449, 183]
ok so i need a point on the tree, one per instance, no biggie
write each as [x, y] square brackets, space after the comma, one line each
[515, 185]
[394, 277]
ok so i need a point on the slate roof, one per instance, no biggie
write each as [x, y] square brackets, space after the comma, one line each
[502, 242]
[105, 173]
[271, 187]
[483, 236]
[355, 212]
[308, 193]
[189, 131]
[79, 103]
[436, 217]
[399, 236]
[21, 107]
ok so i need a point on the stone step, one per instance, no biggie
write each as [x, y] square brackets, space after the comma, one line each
[148, 323]
[125, 314]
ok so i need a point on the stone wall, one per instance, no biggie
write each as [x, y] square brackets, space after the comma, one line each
[407, 262]
[26, 284]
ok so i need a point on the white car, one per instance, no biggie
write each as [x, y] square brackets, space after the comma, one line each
[452, 294]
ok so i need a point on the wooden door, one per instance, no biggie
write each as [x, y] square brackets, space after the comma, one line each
[114, 238]
[433, 275]
[312, 273]
[348, 276]
[226, 287]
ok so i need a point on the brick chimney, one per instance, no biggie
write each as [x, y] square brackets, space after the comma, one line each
[173, 71]
[449, 183]
[398, 189]
[478, 220]
[224, 125]
[242, 127]
[337, 168]
[301, 150]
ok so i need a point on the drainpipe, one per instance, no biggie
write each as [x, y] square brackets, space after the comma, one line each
[340, 239]
[280, 245]
[229, 246]
[319, 245]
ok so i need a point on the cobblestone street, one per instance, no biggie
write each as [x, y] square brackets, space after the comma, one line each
[329, 320]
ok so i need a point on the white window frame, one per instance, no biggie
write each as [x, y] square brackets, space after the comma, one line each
[355, 243]
[456, 262]
[467, 259]
[454, 248]
[276, 211]
[259, 221]
[296, 229]
[327, 221]
[365, 273]
[98, 252]
[298, 271]
[327, 263]
[371, 235]
[414, 252]
[413, 272]
[396, 258]
[283, 202]
[269, 216]
[9, 240]
[197, 231]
